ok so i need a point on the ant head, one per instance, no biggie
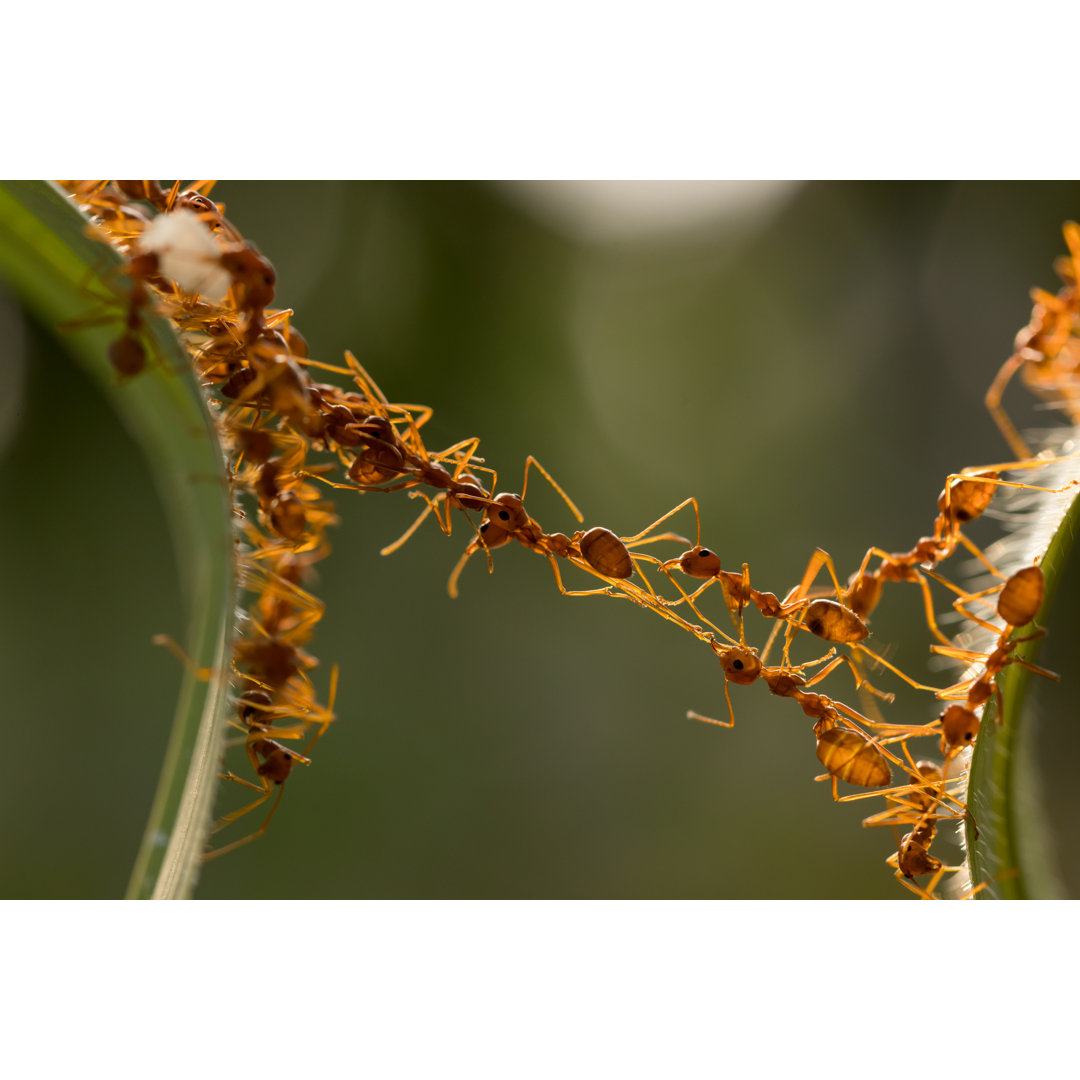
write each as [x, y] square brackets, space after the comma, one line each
[959, 726]
[699, 562]
[277, 762]
[491, 536]
[741, 664]
[507, 513]
[250, 270]
[914, 859]
[196, 202]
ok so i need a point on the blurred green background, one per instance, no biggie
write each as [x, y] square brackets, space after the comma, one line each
[809, 361]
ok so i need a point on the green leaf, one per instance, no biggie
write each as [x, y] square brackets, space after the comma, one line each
[60, 272]
[1008, 842]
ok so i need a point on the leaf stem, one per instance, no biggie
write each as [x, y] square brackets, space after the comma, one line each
[49, 260]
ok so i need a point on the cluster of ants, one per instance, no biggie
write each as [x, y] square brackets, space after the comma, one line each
[180, 250]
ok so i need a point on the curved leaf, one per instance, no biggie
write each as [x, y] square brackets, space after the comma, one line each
[1008, 844]
[51, 262]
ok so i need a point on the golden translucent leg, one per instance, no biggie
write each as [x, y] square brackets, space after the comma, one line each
[639, 537]
[691, 715]
[531, 461]
[218, 852]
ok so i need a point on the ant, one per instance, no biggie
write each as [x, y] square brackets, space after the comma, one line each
[925, 790]
[832, 620]
[966, 496]
[178, 245]
[845, 751]
[1039, 347]
[912, 859]
[271, 760]
[1018, 603]
[598, 551]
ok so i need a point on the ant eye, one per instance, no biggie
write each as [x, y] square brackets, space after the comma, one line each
[504, 515]
[484, 527]
[705, 553]
[738, 664]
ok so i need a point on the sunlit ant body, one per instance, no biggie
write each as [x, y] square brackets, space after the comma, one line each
[597, 551]
[1019, 601]
[271, 761]
[1041, 351]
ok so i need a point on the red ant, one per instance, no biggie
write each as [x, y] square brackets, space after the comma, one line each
[597, 551]
[271, 761]
[1039, 351]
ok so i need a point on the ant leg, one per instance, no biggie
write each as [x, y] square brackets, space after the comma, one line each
[896, 793]
[362, 379]
[228, 819]
[403, 485]
[928, 603]
[451, 585]
[825, 671]
[736, 607]
[1053, 675]
[463, 460]
[647, 600]
[993, 404]
[677, 537]
[264, 788]
[424, 414]
[575, 592]
[638, 537]
[201, 673]
[771, 638]
[895, 670]
[432, 504]
[960, 606]
[819, 559]
[791, 629]
[964, 655]
[306, 361]
[860, 680]
[911, 885]
[530, 460]
[974, 472]
[690, 600]
[691, 715]
[691, 596]
[218, 852]
[329, 716]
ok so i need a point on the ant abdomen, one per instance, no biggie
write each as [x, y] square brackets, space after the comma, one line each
[606, 553]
